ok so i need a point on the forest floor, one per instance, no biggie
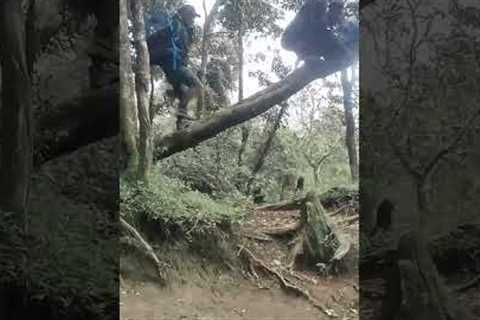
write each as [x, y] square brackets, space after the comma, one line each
[239, 300]
[259, 294]
[469, 298]
[458, 261]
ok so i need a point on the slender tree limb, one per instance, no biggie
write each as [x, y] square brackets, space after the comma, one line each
[267, 145]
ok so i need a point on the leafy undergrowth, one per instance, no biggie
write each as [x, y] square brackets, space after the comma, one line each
[67, 265]
[186, 228]
[172, 205]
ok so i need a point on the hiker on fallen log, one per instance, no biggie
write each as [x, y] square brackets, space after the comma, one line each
[169, 45]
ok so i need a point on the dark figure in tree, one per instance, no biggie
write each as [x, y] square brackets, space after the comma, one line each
[300, 184]
[384, 237]
[320, 31]
[102, 51]
[258, 196]
[169, 46]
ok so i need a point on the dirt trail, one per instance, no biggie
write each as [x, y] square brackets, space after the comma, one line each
[235, 301]
[223, 297]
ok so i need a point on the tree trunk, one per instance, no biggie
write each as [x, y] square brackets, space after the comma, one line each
[426, 295]
[245, 129]
[316, 176]
[320, 241]
[350, 124]
[128, 120]
[439, 301]
[247, 109]
[289, 184]
[32, 38]
[16, 128]
[316, 165]
[265, 148]
[207, 26]
[91, 118]
[142, 84]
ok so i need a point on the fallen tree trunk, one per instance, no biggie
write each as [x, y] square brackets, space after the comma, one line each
[247, 109]
[95, 116]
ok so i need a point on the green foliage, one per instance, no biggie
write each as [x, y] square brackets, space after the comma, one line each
[12, 248]
[253, 16]
[220, 79]
[169, 201]
[210, 167]
[67, 259]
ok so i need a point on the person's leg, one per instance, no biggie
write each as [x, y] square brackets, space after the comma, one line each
[189, 88]
[182, 114]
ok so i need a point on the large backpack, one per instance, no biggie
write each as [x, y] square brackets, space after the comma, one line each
[165, 41]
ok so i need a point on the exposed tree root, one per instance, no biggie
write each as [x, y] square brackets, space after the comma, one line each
[350, 220]
[258, 236]
[296, 250]
[468, 284]
[294, 204]
[286, 284]
[302, 277]
[283, 230]
[146, 247]
[336, 212]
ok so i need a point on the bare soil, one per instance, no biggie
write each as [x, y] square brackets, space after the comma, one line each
[239, 300]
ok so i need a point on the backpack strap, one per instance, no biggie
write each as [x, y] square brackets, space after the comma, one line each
[176, 51]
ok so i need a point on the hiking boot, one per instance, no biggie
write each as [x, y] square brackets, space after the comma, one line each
[183, 123]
